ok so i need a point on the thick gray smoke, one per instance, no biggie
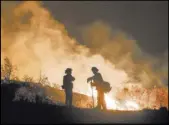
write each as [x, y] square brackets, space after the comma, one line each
[36, 42]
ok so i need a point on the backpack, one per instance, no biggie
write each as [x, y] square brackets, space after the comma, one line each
[106, 87]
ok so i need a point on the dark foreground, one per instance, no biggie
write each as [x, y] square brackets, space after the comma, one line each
[24, 112]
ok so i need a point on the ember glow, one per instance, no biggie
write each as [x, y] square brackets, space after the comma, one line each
[36, 42]
[114, 104]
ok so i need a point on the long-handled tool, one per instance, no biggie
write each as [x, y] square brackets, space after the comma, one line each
[90, 80]
[92, 95]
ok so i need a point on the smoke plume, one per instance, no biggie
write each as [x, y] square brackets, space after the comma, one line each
[122, 51]
[34, 41]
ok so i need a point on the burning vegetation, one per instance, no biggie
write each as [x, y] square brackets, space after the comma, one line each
[38, 44]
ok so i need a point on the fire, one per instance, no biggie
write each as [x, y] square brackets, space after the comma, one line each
[114, 104]
[132, 105]
[36, 42]
[110, 103]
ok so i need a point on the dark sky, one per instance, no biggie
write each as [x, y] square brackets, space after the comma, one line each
[147, 22]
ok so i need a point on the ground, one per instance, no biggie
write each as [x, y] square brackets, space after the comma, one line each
[26, 112]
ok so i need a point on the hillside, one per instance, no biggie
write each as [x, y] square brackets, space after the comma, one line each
[27, 112]
[52, 94]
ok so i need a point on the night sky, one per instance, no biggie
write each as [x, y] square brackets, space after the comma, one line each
[146, 21]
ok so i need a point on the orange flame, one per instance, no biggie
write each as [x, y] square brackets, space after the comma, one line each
[35, 42]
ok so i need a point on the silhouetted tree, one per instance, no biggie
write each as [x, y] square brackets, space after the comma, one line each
[43, 79]
[8, 70]
[27, 78]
